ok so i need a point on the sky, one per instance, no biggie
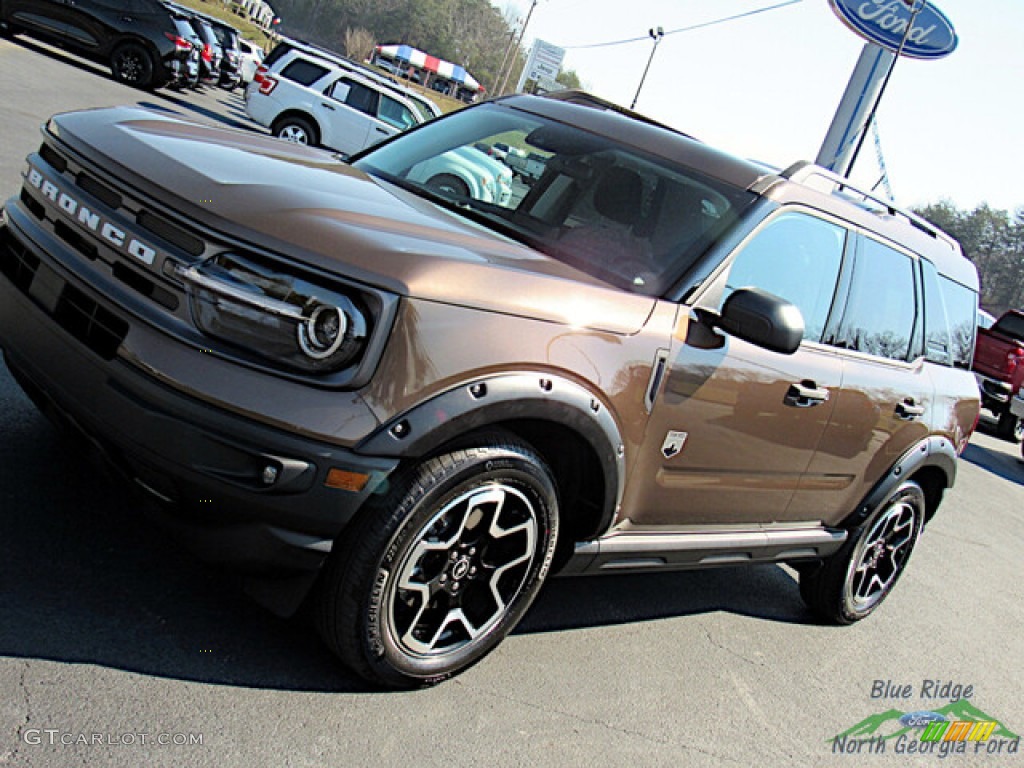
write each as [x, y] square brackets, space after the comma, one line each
[767, 86]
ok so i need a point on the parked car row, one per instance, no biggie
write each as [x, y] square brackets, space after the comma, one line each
[147, 43]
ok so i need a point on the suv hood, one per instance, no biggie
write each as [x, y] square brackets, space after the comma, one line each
[308, 205]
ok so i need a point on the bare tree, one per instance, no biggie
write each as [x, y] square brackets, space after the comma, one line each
[359, 43]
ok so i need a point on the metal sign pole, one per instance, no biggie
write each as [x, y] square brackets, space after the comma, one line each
[861, 92]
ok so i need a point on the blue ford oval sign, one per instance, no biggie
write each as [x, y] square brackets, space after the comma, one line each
[884, 22]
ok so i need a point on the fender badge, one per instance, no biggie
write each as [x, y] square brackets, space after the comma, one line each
[673, 445]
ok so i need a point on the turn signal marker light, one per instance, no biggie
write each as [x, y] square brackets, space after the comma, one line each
[346, 481]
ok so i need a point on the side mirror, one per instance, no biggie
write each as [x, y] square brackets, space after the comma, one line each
[763, 319]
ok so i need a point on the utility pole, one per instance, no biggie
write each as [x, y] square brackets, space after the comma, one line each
[515, 50]
[504, 59]
[656, 35]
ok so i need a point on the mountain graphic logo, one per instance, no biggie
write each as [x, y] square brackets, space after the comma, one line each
[886, 725]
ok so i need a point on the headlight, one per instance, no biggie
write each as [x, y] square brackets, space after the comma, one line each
[275, 315]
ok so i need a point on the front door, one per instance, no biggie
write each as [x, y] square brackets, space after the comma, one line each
[735, 426]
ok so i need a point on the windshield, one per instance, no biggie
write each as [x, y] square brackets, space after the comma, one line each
[629, 218]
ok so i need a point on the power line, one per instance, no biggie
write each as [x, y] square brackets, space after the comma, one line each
[685, 29]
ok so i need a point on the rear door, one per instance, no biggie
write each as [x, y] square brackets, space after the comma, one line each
[887, 399]
[347, 113]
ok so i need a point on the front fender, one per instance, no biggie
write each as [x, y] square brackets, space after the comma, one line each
[507, 398]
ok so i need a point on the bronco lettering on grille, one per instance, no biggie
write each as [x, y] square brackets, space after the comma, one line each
[80, 213]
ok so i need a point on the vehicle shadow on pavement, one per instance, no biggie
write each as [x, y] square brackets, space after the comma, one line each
[84, 578]
[70, 59]
[764, 592]
[1000, 464]
[152, 99]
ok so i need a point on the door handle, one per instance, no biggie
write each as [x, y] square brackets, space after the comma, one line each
[908, 410]
[806, 394]
[326, 106]
[378, 129]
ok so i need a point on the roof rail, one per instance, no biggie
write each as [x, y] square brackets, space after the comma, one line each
[804, 172]
[587, 99]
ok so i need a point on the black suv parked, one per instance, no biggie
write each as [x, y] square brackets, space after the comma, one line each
[138, 38]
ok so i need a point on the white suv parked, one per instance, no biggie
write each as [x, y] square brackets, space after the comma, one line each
[312, 102]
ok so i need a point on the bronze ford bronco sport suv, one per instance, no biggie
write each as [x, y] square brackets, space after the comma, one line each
[413, 406]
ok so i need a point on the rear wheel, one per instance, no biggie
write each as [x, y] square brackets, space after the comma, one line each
[297, 130]
[851, 584]
[435, 574]
[132, 65]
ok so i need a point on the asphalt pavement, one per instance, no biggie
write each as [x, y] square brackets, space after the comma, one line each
[117, 649]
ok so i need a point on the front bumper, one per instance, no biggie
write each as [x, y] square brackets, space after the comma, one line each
[236, 491]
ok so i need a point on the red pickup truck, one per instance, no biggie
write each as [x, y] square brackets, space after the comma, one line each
[999, 368]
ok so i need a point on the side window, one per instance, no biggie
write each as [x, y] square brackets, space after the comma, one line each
[962, 310]
[362, 98]
[393, 113]
[882, 307]
[797, 257]
[303, 72]
[339, 90]
[937, 344]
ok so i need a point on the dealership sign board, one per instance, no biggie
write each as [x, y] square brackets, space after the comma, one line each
[884, 22]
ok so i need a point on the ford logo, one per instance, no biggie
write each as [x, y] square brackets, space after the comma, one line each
[921, 719]
[883, 22]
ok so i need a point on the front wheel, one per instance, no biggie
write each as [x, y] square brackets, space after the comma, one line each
[852, 583]
[436, 573]
[448, 185]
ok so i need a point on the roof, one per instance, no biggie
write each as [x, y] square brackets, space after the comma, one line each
[642, 133]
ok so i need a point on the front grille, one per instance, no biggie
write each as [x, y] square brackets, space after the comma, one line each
[16, 263]
[101, 192]
[174, 235]
[50, 155]
[142, 284]
[98, 328]
[76, 240]
[34, 206]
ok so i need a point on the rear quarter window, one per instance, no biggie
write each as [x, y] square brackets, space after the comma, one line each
[961, 305]
[303, 72]
[938, 346]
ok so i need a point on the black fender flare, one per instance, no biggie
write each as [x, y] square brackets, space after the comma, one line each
[935, 451]
[501, 398]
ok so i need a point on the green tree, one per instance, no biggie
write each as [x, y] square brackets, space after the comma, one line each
[568, 78]
[992, 239]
